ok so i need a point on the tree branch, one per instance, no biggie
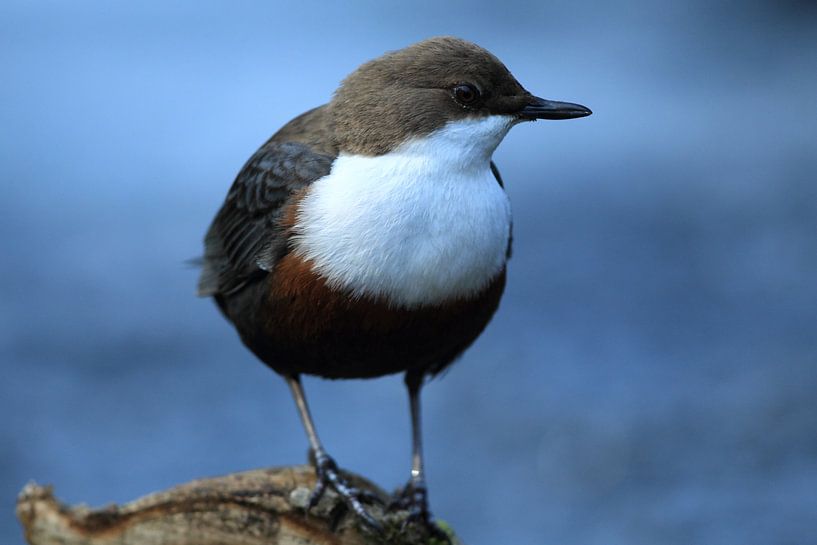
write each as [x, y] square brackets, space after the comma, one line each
[258, 507]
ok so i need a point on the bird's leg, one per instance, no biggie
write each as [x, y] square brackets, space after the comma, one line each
[414, 496]
[325, 467]
[416, 491]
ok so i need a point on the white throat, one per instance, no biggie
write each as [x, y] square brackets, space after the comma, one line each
[423, 224]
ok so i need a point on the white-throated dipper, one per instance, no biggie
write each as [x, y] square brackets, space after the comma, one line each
[370, 235]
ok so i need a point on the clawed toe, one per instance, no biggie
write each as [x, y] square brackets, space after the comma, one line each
[328, 475]
[413, 499]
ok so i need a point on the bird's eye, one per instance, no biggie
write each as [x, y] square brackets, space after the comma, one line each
[466, 94]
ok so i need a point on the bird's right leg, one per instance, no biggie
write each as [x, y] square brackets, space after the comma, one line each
[325, 467]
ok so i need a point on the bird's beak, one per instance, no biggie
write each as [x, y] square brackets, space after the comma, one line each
[539, 108]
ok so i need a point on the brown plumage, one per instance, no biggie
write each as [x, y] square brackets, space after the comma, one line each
[296, 324]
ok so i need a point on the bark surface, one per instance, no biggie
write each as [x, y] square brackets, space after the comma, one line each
[263, 506]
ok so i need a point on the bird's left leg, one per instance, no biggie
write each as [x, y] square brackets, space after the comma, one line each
[414, 496]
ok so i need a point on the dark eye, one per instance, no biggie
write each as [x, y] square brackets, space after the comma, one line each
[466, 94]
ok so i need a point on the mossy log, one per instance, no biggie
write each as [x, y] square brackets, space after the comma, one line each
[262, 506]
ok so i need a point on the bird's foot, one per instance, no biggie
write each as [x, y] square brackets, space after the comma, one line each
[329, 476]
[413, 498]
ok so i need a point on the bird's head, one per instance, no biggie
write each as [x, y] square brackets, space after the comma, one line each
[415, 91]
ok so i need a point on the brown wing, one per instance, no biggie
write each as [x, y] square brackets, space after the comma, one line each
[245, 239]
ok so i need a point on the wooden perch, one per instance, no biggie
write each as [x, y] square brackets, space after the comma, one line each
[263, 506]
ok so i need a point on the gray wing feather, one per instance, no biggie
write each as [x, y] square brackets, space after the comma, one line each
[509, 249]
[245, 239]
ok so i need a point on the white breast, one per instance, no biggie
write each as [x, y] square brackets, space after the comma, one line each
[420, 225]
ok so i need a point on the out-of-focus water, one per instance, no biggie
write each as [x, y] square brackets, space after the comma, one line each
[651, 375]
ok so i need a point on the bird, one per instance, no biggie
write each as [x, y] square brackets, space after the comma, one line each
[370, 235]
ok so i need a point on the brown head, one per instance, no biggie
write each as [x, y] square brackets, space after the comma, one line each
[418, 89]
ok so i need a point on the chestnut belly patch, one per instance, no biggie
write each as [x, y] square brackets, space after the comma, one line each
[299, 325]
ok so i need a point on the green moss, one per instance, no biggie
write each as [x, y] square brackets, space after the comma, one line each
[397, 533]
[449, 531]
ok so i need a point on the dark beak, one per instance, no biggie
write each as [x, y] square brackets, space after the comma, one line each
[539, 108]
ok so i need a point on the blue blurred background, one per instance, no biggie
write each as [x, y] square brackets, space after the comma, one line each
[651, 374]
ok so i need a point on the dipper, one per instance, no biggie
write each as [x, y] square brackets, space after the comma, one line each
[370, 235]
